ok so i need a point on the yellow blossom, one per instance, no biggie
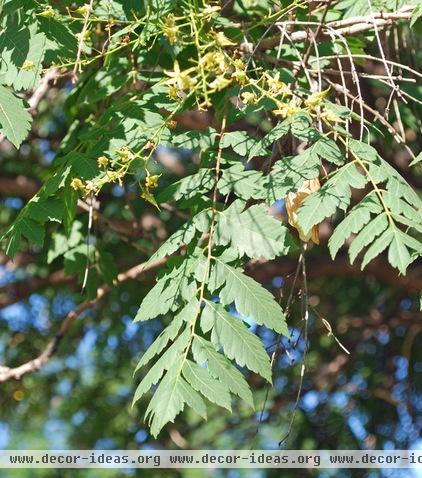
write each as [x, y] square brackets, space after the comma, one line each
[90, 186]
[249, 98]
[18, 395]
[172, 124]
[83, 37]
[220, 61]
[172, 93]
[170, 29]
[316, 98]
[220, 82]
[208, 60]
[180, 79]
[151, 182]
[76, 184]
[276, 86]
[285, 90]
[221, 39]
[286, 110]
[125, 154]
[113, 176]
[84, 10]
[239, 74]
[102, 161]
[210, 11]
[215, 62]
[48, 12]
[238, 63]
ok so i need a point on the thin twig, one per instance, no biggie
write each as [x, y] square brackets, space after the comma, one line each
[370, 57]
[355, 79]
[327, 325]
[305, 313]
[347, 27]
[376, 115]
[276, 351]
[317, 34]
[77, 67]
[88, 237]
[394, 87]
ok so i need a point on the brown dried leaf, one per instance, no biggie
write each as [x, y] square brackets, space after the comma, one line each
[293, 203]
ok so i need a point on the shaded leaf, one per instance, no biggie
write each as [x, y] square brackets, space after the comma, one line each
[15, 121]
[252, 231]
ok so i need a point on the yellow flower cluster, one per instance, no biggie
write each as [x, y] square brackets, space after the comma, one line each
[108, 175]
[125, 154]
[275, 86]
[215, 62]
[86, 187]
[286, 104]
[77, 184]
[219, 69]
[218, 65]
[102, 162]
[220, 39]
[249, 97]
[239, 75]
[170, 29]
[151, 182]
[271, 87]
[179, 80]
[210, 11]
[285, 110]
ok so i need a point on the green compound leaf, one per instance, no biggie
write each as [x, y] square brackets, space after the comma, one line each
[209, 387]
[335, 193]
[238, 342]
[249, 297]
[220, 367]
[170, 398]
[251, 232]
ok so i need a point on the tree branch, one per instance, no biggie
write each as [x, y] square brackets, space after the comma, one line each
[320, 267]
[8, 373]
[17, 291]
[41, 90]
[262, 272]
[347, 27]
[19, 186]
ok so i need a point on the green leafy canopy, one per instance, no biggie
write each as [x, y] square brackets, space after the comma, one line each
[207, 126]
